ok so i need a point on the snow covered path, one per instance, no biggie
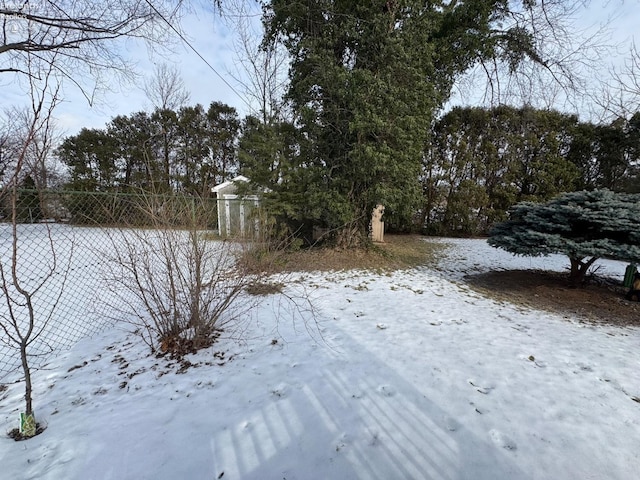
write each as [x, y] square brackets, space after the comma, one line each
[405, 376]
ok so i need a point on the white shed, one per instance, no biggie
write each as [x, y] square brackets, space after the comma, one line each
[234, 211]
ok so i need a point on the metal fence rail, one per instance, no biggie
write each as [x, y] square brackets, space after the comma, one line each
[54, 245]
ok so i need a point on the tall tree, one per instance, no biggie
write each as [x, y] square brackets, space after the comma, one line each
[223, 128]
[91, 157]
[138, 150]
[188, 150]
[167, 92]
[482, 161]
[165, 124]
[193, 160]
[365, 82]
[538, 142]
[607, 154]
[269, 156]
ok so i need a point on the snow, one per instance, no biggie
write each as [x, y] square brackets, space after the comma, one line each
[405, 375]
[67, 303]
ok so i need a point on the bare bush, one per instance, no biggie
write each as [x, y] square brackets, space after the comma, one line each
[174, 279]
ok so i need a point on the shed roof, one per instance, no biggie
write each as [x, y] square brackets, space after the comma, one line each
[228, 183]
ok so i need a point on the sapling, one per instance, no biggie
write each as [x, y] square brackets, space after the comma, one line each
[26, 280]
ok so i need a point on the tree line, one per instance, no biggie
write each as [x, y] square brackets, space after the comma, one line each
[187, 150]
[476, 162]
[360, 124]
[479, 162]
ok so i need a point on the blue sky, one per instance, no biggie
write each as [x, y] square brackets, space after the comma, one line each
[214, 41]
[209, 36]
[205, 31]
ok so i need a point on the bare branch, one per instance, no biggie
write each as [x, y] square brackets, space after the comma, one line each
[83, 36]
[261, 70]
[619, 96]
[166, 89]
[555, 69]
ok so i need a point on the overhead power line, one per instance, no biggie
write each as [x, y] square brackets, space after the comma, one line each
[188, 43]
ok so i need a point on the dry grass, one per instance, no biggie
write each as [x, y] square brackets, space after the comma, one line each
[397, 252]
[598, 302]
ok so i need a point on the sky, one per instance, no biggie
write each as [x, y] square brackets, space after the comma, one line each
[409, 374]
[213, 40]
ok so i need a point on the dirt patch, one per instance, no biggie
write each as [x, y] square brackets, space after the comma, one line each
[18, 437]
[264, 288]
[601, 300]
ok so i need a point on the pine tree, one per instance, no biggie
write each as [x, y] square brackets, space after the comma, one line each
[583, 225]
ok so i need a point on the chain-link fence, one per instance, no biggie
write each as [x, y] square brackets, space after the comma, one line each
[54, 246]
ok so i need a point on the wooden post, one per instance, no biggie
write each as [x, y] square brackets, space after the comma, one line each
[377, 225]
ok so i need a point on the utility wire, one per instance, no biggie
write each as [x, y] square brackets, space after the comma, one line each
[246, 102]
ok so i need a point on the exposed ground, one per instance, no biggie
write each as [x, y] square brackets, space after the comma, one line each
[601, 300]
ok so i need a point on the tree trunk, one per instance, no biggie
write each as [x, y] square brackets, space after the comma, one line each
[27, 378]
[351, 235]
[579, 269]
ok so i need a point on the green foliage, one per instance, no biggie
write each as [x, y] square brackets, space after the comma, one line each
[607, 155]
[192, 153]
[269, 156]
[91, 158]
[185, 151]
[28, 209]
[366, 81]
[482, 161]
[581, 225]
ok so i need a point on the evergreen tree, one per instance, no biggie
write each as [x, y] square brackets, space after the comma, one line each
[223, 130]
[482, 161]
[583, 225]
[138, 143]
[193, 161]
[366, 79]
[164, 121]
[269, 155]
[28, 202]
[91, 157]
[166, 151]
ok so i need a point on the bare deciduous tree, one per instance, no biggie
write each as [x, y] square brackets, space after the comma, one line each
[23, 317]
[166, 89]
[167, 93]
[261, 69]
[79, 38]
[8, 150]
[619, 97]
[38, 162]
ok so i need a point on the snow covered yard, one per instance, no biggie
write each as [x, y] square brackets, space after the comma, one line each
[409, 375]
